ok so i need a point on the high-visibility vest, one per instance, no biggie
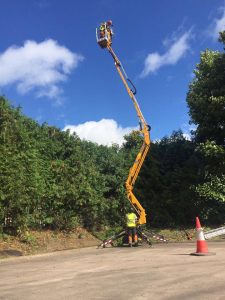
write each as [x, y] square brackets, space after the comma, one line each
[131, 219]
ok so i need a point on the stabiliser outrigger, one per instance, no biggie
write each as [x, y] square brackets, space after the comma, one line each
[104, 35]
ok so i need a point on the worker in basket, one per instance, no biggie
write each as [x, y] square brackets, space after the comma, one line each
[102, 30]
[131, 220]
[109, 25]
[106, 26]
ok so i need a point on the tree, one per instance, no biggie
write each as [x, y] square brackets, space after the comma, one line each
[19, 163]
[170, 170]
[206, 101]
[206, 97]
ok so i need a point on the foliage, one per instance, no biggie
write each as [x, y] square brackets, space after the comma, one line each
[206, 97]
[52, 179]
[214, 189]
[206, 100]
[165, 180]
[28, 238]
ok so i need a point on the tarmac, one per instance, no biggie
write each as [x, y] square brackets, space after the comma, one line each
[165, 271]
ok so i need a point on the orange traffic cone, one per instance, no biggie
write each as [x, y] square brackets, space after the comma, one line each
[202, 248]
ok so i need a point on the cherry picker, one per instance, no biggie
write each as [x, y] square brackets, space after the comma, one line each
[104, 35]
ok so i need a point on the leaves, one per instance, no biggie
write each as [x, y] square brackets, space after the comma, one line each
[213, 189]
[206, 101]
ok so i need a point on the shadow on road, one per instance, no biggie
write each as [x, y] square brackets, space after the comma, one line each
[10, 252]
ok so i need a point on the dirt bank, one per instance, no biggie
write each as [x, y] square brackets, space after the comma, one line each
[34, 242]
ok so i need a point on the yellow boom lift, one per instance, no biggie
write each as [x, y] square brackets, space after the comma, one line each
[104, 35]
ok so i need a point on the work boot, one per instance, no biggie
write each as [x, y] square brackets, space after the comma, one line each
[130, 244]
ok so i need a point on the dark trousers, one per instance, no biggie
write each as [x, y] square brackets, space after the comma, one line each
[132, 234]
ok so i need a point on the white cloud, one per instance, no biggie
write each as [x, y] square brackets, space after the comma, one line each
[104, 132]
[187, 130]
[187, 136]
[38, 67]
[218, 25]
[176, 51]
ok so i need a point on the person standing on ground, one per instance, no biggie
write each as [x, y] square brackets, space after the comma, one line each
[131, 219]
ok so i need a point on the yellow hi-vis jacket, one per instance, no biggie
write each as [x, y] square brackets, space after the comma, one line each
[131, 219]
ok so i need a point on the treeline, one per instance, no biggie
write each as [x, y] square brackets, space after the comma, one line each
[51, 179]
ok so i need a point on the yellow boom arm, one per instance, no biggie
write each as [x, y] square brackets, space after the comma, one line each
[135, 169]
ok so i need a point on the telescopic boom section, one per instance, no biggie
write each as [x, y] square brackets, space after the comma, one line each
[144, 127]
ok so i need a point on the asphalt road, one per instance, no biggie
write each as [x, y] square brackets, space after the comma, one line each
[166, 271]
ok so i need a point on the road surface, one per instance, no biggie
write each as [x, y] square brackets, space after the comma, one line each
[166, 271]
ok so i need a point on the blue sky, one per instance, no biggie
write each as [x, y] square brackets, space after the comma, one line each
[51, 65]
